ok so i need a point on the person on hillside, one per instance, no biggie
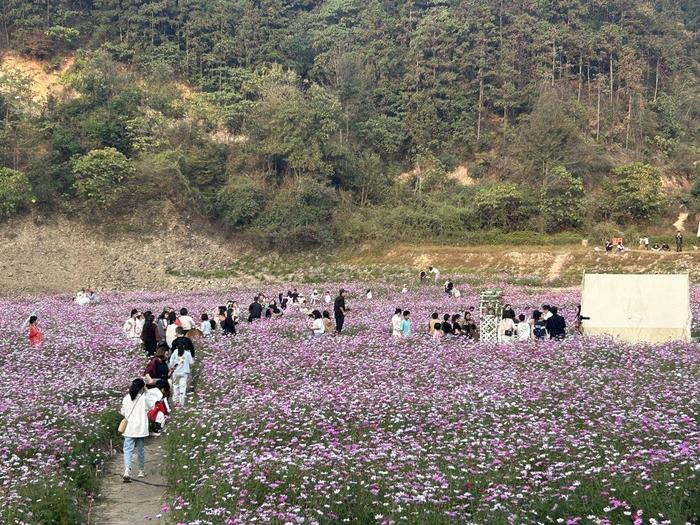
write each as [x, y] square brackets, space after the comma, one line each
[523, 329]
[132, 326]
[435, 272]
[135, 407]
[94, 297]
[396, 323]
[82, 298]
[656, 247]
[369, 294]
[434, 321]
[422, 276]
[149, 335]
[157, 368]
[609, 245]
[182, 341]
[35, 335]
[327, 322]
[539, 326]
[255, 310]
[506, 327]
[317, 327]
[679, 241]
[406, 324]
[556, 325]
[180, 368]
[186, 321]
[404, 289]
[171, 330]
[339, 311]
[229, 324]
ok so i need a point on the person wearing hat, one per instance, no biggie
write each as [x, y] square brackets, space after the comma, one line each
[339, 310]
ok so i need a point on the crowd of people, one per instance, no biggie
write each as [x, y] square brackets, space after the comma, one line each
[544, 324]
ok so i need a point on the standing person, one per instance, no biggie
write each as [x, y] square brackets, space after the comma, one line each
[132, 327]
[135, 406]
[182, 341]
[162, 324]
[339, 311]
[149, 335]
[539, 326]
[523, 329]
[679, 241]
[435, 272]
[506, 328]
[406, 324]
[327, 323]
[35, 335]
[157, 368]
[171, 330]
[327, 298]
[556, 325]
[313, 298]
[396, 323]
[180, 363]
[229, 323]
[186, 321]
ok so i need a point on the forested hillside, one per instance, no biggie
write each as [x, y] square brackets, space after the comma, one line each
[306, 121]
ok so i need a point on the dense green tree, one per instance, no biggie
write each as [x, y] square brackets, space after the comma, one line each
[561, 202]
[100, 175]
[633, 193]
[15, 192]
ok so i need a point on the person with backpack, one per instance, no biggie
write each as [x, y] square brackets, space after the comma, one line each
[539, 326]
[135, 406]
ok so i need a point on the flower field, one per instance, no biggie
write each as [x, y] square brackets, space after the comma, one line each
[368, 429]
[362, 428]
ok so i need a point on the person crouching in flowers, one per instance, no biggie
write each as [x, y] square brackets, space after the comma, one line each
[135, 406]
[180, 363]
[35, 335]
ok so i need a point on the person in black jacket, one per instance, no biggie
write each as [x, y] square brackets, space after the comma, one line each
[182, 342]
[255, 310]
[556, 325]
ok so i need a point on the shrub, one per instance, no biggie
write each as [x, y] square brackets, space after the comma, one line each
[300, 213]
[633, 194]
[15, 192]
[561, 205]
[100, 175]
[240, 202]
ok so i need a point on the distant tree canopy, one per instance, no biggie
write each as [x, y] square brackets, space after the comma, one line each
[537, 102]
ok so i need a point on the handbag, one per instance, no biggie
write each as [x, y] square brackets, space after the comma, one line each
[508, 333]
[125, 420]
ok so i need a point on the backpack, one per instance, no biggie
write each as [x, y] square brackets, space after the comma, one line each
[539, 330]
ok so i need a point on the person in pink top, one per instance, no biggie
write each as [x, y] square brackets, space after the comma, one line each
[35, 336]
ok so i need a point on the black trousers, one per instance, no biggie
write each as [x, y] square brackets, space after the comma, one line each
[339, 320]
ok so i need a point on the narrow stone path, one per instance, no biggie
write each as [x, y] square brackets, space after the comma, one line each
[139, 501]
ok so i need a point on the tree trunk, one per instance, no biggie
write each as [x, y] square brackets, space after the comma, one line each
[554, 58]
[629, 119]
[588, 78]
[597, 124]
[580, 76]
[611, 79]
[656, 82]
[481, 106]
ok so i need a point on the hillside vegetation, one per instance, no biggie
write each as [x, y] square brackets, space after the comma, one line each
[289, 122]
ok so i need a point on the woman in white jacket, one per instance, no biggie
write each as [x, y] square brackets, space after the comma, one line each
[135, 407]
[506, 328]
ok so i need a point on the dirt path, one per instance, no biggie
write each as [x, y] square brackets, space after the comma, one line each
[557, 266]
[139, 501]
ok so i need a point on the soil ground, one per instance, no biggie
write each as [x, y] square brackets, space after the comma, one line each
[137, 502]
[63, 256]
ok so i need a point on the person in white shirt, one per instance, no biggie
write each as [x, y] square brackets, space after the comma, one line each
[435, 272]
[205, 327]
[82, 298]
[506, 328]
[180, 363]
[546, 314]
[327, 298]
[456, 293]
[404, 289]
[135, 407]
[171, 330]
[396, 323]
[314, 297]
[523, 329]
[369, 294]
[317, 326]
[186, 322]
[132, 327]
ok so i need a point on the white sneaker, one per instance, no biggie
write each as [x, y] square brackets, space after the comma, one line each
[127, 476]
[141, 474]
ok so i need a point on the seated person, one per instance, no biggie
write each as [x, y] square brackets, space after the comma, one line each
[608, 245]
[656, 247]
